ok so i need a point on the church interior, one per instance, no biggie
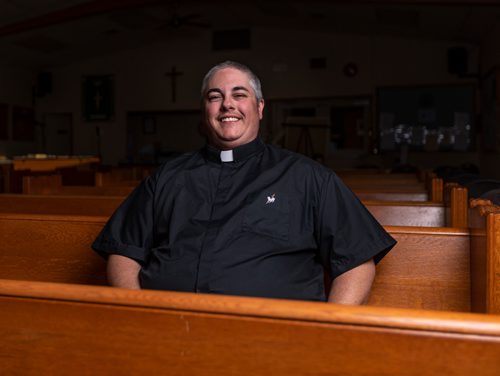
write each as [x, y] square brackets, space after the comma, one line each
[378, 84]
[401, 98]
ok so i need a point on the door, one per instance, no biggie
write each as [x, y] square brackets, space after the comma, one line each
[57, 136]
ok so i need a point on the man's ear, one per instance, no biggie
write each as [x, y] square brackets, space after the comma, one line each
[260, 107]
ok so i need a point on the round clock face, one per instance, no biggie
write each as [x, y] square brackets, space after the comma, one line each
[350, 69]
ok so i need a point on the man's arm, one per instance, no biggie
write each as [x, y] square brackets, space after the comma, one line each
[123, 272]
[353, 286]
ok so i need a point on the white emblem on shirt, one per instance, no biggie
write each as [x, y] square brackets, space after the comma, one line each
[270, 199]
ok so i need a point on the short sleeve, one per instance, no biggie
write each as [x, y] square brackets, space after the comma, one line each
[129, 231]
[348, 235]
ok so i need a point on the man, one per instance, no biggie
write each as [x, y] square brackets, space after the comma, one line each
[243, 218]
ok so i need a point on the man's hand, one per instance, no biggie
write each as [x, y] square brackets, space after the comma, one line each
[353, 287]
[123, 272]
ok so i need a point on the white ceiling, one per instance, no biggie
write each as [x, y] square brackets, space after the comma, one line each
[32, 33]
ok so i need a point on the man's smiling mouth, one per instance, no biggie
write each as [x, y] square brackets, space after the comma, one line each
[228, 119]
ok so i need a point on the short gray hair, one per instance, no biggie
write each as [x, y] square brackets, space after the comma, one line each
[254, 80]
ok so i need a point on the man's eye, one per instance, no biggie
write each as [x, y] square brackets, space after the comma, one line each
[213, 98]
[240, 95]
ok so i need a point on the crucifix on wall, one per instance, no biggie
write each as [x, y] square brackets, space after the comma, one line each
[173, 74]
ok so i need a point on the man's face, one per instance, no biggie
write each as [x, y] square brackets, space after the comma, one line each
[232, 114]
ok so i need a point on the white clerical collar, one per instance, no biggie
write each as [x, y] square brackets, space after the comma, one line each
[226, 156]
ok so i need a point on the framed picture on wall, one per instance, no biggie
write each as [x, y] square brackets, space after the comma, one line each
[98, 97]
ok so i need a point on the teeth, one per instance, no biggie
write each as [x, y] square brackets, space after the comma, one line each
[229, 119]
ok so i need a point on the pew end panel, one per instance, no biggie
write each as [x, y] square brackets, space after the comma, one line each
[436, 189]
[484, 223]
[457, 205]
[99, 330]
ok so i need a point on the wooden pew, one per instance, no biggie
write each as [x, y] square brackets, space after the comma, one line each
[420, 186]
[59, 205]
[405, 213]
[51, 184]
[105, 185]
[451, 213]
[408, 213]
[455, 198]
[391, 194]
[484, 223]
[57, 328]
[51, 248]
[428, 268]
[433, 191]
[122, 176]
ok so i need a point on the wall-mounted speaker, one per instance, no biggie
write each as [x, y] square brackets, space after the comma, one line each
[43, 84]
[458, 60]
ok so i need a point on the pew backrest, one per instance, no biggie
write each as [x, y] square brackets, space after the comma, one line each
[59, 205]
[451, 212]
[432, 191]
[52, 185]
[51, 248]
[366, 194]
[407, 213]
[98, 330]
[428, 268]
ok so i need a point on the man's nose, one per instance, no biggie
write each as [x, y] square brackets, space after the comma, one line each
[227, 103]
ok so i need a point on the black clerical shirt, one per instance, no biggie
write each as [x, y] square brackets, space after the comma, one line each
[264, 224]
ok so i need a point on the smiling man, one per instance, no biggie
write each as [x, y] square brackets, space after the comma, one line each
[241, 217]
[233, 110]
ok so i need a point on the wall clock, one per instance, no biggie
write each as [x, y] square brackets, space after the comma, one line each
[350, 69]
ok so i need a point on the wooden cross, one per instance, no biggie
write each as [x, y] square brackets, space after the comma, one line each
[173, 74]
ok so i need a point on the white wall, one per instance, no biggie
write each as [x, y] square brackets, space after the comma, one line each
[141, 85]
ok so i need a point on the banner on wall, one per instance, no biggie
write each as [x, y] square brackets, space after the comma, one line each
[98, 97]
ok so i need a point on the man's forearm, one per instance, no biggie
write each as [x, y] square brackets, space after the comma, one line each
[123, 272]
[353, 287]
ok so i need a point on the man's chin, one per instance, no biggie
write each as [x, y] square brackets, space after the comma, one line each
[229, 142]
